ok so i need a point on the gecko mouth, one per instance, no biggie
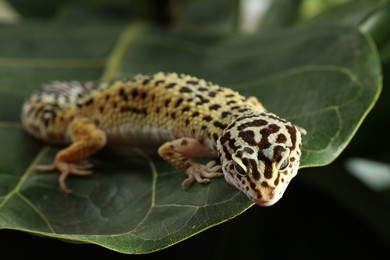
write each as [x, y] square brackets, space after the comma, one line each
[264, 203]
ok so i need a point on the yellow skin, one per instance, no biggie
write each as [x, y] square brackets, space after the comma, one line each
[184, 116]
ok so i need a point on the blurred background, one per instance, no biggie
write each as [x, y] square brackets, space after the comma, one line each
[342, 209]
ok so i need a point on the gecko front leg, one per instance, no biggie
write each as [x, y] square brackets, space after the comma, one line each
[86, 139]
[179, 153]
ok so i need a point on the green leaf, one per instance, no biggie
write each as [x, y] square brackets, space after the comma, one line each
[324, 78]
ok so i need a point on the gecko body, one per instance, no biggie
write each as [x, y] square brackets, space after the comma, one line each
[181, 115]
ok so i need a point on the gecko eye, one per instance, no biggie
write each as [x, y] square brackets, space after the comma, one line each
[284, 164]
[239, 169]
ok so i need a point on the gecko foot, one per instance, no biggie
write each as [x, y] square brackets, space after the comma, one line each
[201, 173]
[66, 169]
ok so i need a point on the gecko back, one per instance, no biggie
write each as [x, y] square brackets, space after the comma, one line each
[53, 103]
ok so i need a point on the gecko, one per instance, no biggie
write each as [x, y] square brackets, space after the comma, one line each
[181, 116]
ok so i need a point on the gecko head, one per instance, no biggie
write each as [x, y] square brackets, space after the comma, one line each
[260, 154]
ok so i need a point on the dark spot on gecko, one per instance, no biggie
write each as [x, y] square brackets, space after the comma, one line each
[242, 110]
[192, 82]
[146, 82]
[225, 114]
[125, 109]
[158, 82]
[204, 127]
[231, 126]
[143, 95]
[248, 150]
[273, 128]
[253, 185]
[173, 115]
[246, 116]
[170, 85]
[187, 122]
[107, 97]
[227, 153]
[229, 95]
[195, 114]
[202, 100]
[281, 138]
[212, 94]
[276, 182]
[235, 108]
[178, 102]
[215, 137]
[101, 109]
[219, 125]
[231, 102]
[122, 94]
[207, 118]
[232, 144]
[253, 166]
[185, 90]
[114, 105]
[202, 89]
[248, 136]
[134, 93]
[133, 110]
[184, 142]
[264, 143]
[185, 109]
[167, 102]
[267, 170]
[169, 154]
[277, 118]
[224, 138]
[214, 107]
[255, 123]
[187, 165]
[293, 134]
[89, 102]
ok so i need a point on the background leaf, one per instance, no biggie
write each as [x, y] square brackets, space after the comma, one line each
[324, 78]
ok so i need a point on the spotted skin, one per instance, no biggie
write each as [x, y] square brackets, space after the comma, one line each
[180, 116]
